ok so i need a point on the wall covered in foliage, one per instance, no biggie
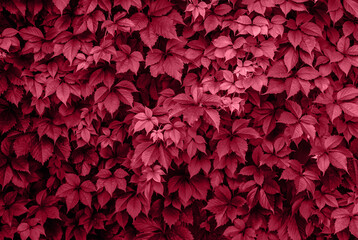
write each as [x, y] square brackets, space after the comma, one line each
[179, 120]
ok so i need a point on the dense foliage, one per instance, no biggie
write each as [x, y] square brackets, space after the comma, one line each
[163, 119]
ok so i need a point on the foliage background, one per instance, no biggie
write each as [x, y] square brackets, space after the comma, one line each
[158, 119]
